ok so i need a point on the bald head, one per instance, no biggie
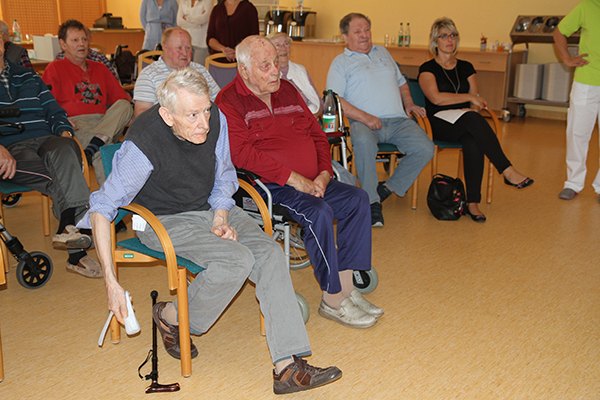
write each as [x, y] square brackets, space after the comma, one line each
[177, 48]
[258, 65]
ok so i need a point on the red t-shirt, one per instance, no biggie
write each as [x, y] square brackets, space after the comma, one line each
[83, 92]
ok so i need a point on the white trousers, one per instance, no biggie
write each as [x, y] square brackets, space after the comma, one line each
[581, 118]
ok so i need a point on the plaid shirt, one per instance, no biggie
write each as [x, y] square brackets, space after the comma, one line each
[4, 75]
[95, 56]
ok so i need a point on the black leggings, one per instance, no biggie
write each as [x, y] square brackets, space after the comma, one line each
[478, 140]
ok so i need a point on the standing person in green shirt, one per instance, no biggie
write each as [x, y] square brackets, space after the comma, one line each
[585, 94]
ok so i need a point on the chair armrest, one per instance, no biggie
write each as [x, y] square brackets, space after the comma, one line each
[163, 237]
[423, 122]
[262, 207]
[495, 123]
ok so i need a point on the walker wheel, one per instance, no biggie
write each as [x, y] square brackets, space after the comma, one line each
[36, 277]
[11, 200]
[366, 281]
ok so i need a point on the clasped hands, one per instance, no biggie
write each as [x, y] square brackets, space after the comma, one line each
[315, 187]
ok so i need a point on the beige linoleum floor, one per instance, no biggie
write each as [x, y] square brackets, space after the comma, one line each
[508, 309]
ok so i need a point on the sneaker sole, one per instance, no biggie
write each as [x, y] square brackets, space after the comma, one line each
[81, 243]
[326, 315]
[279, 388]
[377, 225]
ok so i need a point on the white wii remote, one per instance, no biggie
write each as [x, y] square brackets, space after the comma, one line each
[131, 324]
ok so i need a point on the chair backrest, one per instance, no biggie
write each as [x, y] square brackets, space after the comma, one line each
[222, 73]
[147, 58]
[417, 94]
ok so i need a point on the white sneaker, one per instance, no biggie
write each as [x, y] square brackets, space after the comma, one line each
[348, 315]
[365, 304]
[71, 238]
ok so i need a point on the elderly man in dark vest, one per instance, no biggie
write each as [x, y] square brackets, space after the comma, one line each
[176, 162]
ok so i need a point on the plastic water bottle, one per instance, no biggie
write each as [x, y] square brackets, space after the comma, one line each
[400, 36]
[407, 35]
[329, 113]
[16, 31]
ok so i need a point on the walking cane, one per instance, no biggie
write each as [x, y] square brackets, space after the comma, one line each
[156, 387]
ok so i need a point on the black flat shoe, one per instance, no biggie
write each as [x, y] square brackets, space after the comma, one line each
[522, 185]
[476, 218]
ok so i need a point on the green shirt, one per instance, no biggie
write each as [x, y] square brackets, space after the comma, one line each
[586, 15]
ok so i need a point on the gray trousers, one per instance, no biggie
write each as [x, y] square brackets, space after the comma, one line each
[256, 256]
[110, 124]
[52, 165]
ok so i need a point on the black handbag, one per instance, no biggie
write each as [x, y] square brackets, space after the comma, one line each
[446, 197]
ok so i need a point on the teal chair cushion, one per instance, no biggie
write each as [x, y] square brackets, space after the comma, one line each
[134, 244]
[107, 152]
[11, 188]
[386, 147]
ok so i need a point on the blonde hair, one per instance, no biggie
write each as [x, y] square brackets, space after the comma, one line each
[274, 35]
[438, 25]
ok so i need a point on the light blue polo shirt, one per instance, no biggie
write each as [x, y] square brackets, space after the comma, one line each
[370, 82]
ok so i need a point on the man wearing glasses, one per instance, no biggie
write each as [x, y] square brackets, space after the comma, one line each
[376, 99]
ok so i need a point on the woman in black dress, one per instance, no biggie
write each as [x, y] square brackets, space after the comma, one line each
[451, 84]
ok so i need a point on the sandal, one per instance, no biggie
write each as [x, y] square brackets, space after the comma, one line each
[87, 267]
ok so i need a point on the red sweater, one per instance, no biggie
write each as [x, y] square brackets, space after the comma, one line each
[273, 145]
[80, 92]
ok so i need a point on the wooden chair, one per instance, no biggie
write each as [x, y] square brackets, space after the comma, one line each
[443, 146]
[222, 73]
[14, 190]
[133, 251]
[147, 58]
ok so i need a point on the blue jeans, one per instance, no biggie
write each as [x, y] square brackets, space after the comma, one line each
[255, 256]
[409, 138]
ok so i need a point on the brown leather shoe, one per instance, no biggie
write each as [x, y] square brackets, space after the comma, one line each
[169, 333]
[300, 375]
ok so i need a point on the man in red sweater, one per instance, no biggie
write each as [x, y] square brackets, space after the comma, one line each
[96, 104]
[273, 134]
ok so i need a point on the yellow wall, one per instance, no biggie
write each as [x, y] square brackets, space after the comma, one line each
[472, 17]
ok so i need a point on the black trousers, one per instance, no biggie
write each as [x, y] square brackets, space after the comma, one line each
[478, 140]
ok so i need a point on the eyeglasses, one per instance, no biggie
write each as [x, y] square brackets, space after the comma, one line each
[446, 36]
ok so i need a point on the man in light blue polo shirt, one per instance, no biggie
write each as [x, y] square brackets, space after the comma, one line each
[177, 47]
[376, 99]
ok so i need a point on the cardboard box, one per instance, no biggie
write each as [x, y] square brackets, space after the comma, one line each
[46, 47]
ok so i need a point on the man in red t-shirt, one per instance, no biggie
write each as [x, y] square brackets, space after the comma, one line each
[96, 104]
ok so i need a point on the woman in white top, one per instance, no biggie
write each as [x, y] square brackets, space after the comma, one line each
[193, 16]
[296, 73]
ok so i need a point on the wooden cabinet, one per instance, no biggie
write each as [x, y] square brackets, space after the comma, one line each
[494, 75]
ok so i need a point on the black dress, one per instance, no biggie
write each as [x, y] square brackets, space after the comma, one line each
[471, 129]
